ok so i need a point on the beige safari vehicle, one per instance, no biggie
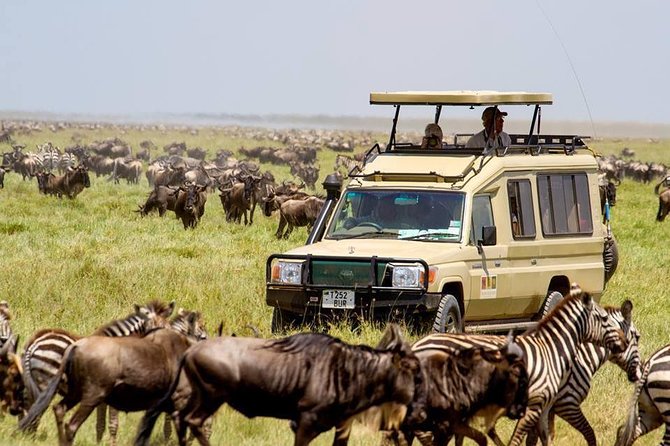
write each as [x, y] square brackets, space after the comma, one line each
[450, 238]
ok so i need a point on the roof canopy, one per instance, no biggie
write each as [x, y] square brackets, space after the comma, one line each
[459, 98]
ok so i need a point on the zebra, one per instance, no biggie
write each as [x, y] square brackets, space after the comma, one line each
[67, 161]
[43, 352]
[650, 406]
[550, 349]
[589, 359]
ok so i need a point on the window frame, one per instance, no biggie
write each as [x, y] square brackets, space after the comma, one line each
[565, 204]
[520, 198]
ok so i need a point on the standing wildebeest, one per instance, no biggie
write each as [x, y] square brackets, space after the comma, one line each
[2, 177]
[663, 200]
[162, 198]
[70, 184]
[127, 373]
[316, 381]
[190, 205]
[294, 213]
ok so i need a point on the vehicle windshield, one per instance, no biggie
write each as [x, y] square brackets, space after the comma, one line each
[402, 215]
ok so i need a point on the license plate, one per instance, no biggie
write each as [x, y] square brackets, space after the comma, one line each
[342, 299]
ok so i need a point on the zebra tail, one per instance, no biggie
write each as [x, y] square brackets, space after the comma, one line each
[29, 422]
[32, 389]
[627, 431]
[150, 416]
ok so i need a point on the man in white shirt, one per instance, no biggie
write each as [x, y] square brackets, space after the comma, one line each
[492, 136]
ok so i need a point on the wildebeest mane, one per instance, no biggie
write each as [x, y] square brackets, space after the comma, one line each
[309, 342]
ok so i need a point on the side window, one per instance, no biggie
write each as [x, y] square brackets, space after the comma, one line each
[482, 215]
[522, 217]
[564, 204]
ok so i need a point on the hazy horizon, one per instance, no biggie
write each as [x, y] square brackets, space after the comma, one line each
[360, 123]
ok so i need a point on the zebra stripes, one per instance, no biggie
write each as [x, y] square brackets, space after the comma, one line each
[550, 350]
[651, 401]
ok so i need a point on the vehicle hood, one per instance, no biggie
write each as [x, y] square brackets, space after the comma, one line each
[379, 247]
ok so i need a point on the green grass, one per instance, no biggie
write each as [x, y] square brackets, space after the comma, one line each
[78, 264]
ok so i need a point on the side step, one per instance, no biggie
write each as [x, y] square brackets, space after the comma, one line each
[488, 327]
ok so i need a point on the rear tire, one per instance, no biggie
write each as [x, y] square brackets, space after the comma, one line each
[550, 302]
[448, 318]
[283, 320]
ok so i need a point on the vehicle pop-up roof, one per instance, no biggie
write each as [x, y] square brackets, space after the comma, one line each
[438, 99]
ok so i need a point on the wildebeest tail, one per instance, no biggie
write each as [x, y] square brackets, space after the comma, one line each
[29, 422]
[148, 421]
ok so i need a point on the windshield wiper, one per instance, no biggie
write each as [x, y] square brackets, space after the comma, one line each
[427, 235]
[369, 234]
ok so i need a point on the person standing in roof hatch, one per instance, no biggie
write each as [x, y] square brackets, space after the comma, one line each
[492, 136]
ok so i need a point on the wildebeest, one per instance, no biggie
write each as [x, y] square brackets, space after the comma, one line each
[44, 351]
[294, 213]
[161, 198]
[314, 380]
[12, 387]
[2, 177]
[458, 385]
[126, 373]
[70, 184]
[663, 200]
[190, 205]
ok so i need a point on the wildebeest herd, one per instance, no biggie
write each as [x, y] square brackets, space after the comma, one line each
[431, 390]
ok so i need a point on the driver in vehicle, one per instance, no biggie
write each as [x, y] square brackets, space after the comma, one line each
[493, 136]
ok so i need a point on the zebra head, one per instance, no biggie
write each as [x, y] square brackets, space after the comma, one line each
[629, 359]
[155, 314]
[189, 323]
[601, 329]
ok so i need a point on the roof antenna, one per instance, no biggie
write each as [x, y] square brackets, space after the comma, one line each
[572, 67]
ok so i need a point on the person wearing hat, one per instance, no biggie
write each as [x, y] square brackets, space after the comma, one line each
[433, 137]
[492, 136]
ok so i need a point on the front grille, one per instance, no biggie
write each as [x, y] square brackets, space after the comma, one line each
[345, 273]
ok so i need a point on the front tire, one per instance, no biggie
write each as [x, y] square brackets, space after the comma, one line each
[448, 318]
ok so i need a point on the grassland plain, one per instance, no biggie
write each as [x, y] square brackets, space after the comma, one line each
[77, 264]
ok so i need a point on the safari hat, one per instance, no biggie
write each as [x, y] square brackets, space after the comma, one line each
[487, 114]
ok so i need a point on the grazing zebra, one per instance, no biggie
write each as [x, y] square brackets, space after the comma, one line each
[550, 349]
[589, 359]
[43, 352]
[651, 401]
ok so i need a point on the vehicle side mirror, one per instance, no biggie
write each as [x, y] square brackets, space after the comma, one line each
[489, 238]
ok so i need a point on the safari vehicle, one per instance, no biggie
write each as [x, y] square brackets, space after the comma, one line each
[450, 238]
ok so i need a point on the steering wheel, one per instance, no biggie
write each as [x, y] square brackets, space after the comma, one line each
[370, 224]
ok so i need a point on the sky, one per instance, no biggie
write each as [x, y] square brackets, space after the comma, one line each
[602, 60]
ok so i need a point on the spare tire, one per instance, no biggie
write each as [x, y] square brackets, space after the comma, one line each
[610, 257]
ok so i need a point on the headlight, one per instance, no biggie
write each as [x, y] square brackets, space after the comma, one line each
[287, 272]
[406, 276]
